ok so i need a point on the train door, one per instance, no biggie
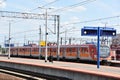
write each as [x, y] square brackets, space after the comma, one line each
[93, 52]
[64, 52]
[35, 51]
[15, 53]
[78, 53]
[74, 52]
[18, 51]
[12, 51]
[49, 51]
[21, 51]
[43, 51]
[27, 51]
[71, 52]
[61, 52]
[68, 52]
[84, 54]
[54, 53]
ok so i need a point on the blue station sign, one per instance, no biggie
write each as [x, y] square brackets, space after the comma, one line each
[92, 31]
[98, 31]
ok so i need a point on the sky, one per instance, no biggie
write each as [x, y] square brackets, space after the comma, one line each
[70, 11]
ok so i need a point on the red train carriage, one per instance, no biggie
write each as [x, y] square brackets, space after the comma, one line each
[82, 52]
[116, 50]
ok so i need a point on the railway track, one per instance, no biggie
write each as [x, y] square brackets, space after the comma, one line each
[26, 75]
[20, 76]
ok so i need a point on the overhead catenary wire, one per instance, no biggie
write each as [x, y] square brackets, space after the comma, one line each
[24, 31]
[71, 5]
[74, 5]
[44, 5]
[29, 31]
[37, 7]
[99, 19]
[49, 3]
[79, 22]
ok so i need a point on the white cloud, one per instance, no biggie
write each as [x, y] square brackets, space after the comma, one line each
[2, 4]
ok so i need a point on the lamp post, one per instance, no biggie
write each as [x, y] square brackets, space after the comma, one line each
[9, 39]
[39, 42]
[65, 36]
[46, 33]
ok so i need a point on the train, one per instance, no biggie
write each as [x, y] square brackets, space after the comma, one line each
[116, 51]
[67, 52]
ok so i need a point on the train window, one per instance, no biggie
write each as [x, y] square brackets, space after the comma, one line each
[67, 50]
[54, 49]
[25, 49]
[28, 49]
[103, 49]
[84, 50]
[51, 50]
[22, 50]
[43, 49]
[36, 50]
[33, 49]
[81, 50]
[48, 49]
[16, 49]
[105, 52]
[61, 49]
[74, 49]
[64, 50]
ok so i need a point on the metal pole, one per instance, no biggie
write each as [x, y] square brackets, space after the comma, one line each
[46, 37]
[58, 36]
[98, 48]
[55, 25]
[9, 40]
[5, 44]
[39, 42]
[61, 41]
[65, 36]
[70, 41]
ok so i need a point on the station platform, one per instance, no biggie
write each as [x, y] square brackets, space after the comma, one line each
[69, 70]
